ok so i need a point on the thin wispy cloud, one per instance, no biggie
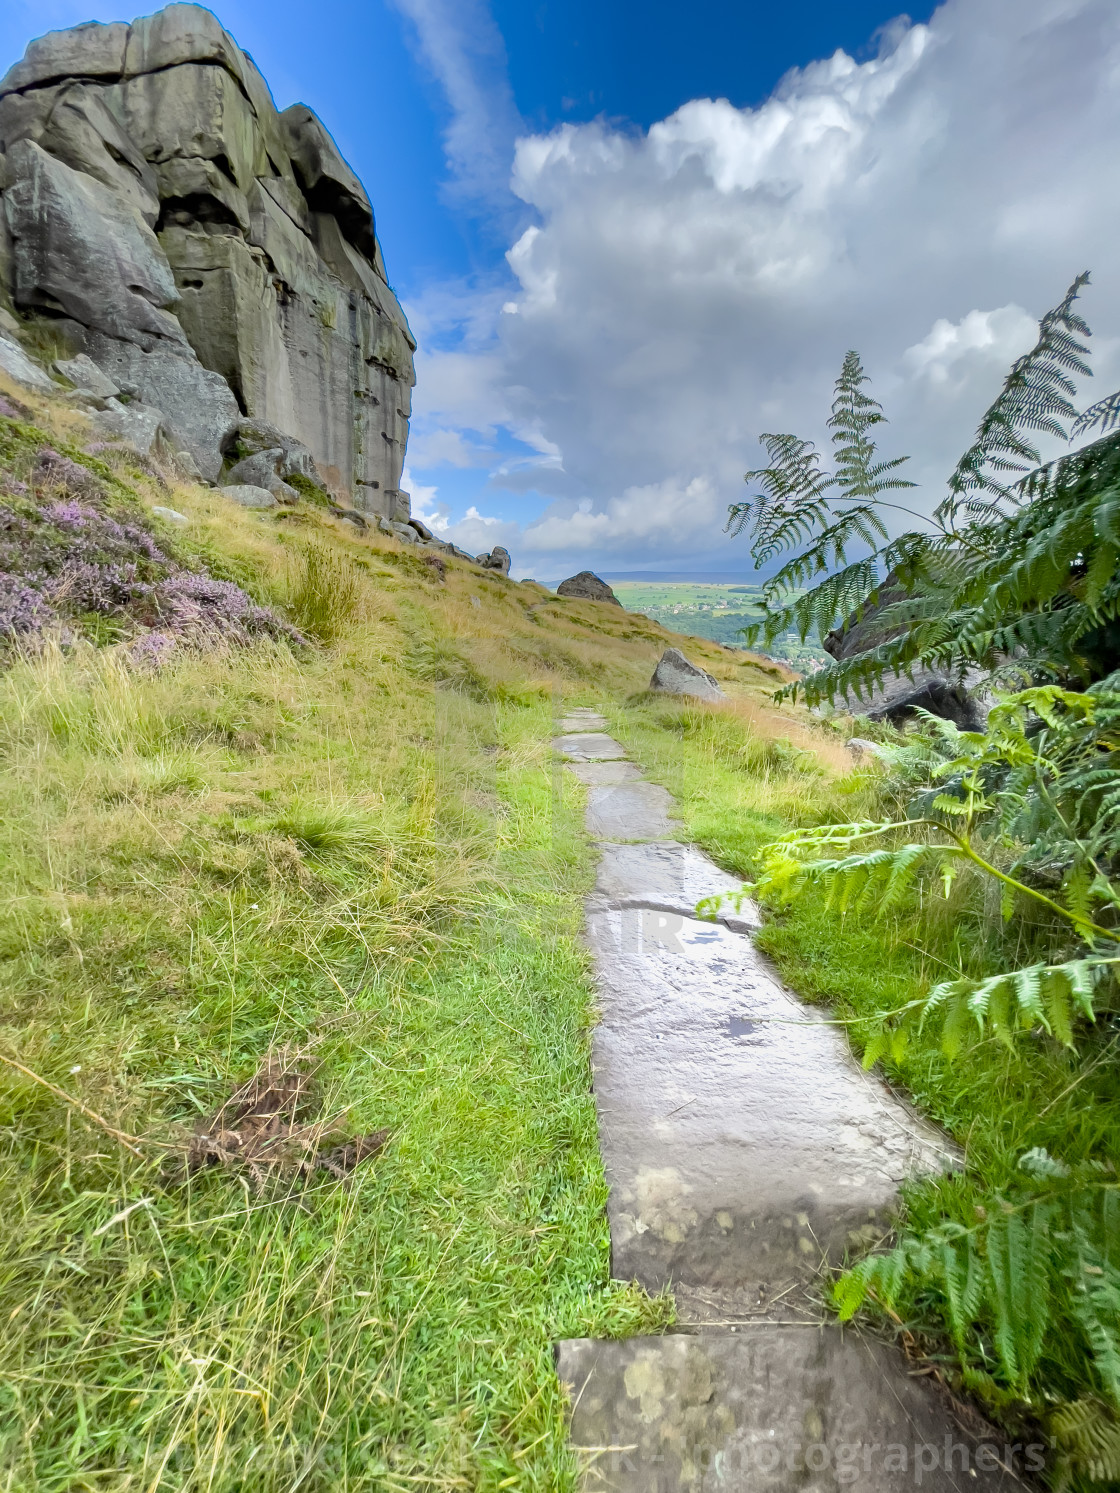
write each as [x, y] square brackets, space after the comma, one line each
[461, 46]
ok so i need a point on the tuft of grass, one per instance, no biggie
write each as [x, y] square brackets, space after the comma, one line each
[325, 592]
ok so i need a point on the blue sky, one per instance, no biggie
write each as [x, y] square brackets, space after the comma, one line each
[616, 286]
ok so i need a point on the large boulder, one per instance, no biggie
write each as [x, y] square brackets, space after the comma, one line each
[80, 250]
[16, 364]
[586, 586]
[161, 210]
[677, 675]
[498, 559]
[899, 697]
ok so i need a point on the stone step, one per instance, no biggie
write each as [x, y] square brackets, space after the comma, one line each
[811, 1409]
[744, 1148]
[588, 746]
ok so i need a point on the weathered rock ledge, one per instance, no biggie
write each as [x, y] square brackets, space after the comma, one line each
[214, 257]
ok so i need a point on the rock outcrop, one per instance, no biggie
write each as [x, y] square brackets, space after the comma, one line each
[898, 697]
[587, 587]
[677, 675]
[497, 559]
[214, 258]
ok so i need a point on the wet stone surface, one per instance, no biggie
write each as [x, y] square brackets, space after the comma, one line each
[769, 1408]
[743, 1146]
[588, 746]
[629, 811]
[604, 773]
[745, 1149]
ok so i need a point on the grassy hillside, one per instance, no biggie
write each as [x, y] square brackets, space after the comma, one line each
[351, 857]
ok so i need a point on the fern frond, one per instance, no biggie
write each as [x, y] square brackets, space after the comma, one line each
[1036, 398]
[1105, 413]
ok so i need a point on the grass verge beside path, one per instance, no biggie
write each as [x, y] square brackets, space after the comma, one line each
[244, 852]
[742, 779]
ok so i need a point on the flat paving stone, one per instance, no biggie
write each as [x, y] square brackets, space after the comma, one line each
[588, 746]
[583, 720]
[667, 877]
[806, 1409]
[596, 773]
[743, 1145]
[630, 811]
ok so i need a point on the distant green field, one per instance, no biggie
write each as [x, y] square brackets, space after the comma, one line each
[711, 610]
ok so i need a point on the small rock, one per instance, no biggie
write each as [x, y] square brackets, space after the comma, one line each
[587, 587]
[350, 516]
[171, 516]
[138, 424]
[86, 377]
[284, 494]
[859, 747]
[249, 496]
[405, 533]
[677, 675]
[8, 323]
[421, 528]
[262, 469]
[16, 364]
[188, 466]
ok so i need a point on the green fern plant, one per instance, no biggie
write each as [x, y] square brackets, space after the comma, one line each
[1046, 1262]
[1033, 804]
[1013, 572]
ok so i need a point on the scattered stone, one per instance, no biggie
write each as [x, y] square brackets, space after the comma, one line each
[498, 559]
[404, 532]
[136, 423]
[16, 364]
[262, 469]
[86, 377]
[198, 405]
[859, 747]
[248, 496]
[188, 466]
[677, 675]
[437, 564]
[171, 516]
[350, 516]
[586, 586]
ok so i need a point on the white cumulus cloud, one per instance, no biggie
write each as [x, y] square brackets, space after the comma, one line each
[684, 289]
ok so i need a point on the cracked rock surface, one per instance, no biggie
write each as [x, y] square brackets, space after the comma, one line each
[211, 253]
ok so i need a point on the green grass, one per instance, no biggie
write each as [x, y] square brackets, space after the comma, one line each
[356, 848]
[206, 865]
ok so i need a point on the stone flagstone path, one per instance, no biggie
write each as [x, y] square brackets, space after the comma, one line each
[744, 1148]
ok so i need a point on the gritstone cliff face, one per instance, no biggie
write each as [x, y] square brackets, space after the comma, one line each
[215, 257]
